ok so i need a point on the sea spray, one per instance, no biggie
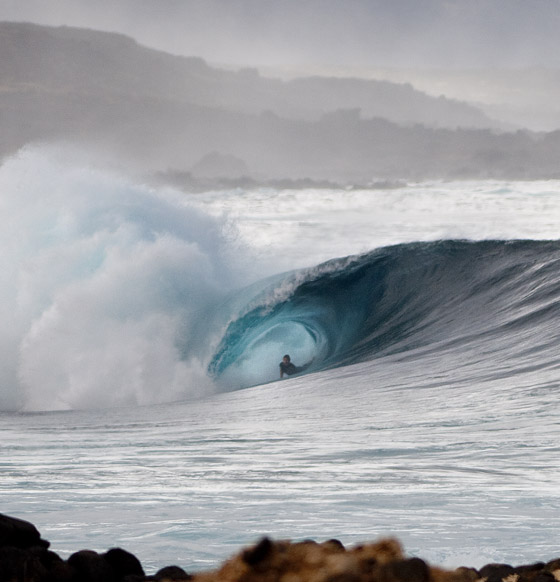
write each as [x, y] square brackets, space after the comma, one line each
[107, 287]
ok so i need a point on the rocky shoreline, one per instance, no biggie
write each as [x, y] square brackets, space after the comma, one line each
[25, 557]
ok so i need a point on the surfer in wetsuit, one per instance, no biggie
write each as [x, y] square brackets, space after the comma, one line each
[286, 367]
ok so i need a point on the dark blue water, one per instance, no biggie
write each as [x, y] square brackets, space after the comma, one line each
[439, 295]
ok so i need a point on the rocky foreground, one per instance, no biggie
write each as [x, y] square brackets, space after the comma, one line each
[25, 557]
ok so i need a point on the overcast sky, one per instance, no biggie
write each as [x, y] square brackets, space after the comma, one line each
[376, 33]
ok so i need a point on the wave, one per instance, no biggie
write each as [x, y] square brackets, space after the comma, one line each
[113, 294]
[496, 295]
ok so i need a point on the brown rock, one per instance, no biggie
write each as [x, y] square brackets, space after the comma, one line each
[464, 574]
[258, 553]
[308, 561]
[553, 565]
[496, 572]
[543, 576]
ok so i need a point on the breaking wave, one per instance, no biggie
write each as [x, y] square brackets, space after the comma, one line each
[115, 294]
[106, 287]
[498, 296]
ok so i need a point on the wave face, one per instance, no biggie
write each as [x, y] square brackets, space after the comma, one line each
[447, 295]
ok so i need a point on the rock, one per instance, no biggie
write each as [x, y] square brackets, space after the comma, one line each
[91, 567]
[530, 567]
[412, 570]
[553, 565]
[57, 569]
[172, 573]
[496, 572]
[46, 557]
[346, 577]
[19, 533]
[123, 563]
[529, 572]
[61, 572]
[464, 574]
[543, 576]
[258, 553]
[334, 545]
[270, 561]
[19, 564]
[25, 557]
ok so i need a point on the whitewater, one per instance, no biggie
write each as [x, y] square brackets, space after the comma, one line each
[143, 327]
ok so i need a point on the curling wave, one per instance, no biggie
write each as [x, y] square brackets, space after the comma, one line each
[495, 295]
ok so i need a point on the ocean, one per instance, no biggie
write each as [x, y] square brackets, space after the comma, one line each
[140, 398]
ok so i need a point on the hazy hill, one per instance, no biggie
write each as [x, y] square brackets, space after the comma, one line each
[156, 111]
[63, 59]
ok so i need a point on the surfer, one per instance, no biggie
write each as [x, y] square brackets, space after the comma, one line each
[287, 367]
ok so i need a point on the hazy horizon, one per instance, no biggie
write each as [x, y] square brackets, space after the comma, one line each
[323, 33]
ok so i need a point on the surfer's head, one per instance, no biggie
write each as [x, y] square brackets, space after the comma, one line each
[286, 358]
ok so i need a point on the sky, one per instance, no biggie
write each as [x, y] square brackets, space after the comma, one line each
[358, 33]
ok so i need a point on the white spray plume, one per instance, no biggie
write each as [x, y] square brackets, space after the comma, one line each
[105, 287]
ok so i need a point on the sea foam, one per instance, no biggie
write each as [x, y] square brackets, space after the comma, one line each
[106, 286]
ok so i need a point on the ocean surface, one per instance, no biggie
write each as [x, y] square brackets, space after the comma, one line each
[142, 330]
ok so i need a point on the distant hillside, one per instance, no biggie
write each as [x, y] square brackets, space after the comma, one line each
[155, 112]
[70, 59]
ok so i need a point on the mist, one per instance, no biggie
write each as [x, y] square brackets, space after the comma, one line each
[365, 33]
[241, 93]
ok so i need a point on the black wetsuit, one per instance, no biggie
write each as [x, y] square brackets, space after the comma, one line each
[288, 368]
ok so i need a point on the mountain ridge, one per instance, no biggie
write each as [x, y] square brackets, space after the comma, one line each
[85, 59]
[156, 112]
